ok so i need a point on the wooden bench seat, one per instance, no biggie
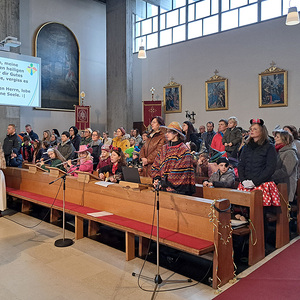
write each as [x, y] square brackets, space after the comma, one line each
[185, 221]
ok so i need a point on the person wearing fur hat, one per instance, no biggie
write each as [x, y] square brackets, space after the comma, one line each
[85, 161]
[224, 177]
[104, 159]
[172, 169]
[120, 141]
[87, 136]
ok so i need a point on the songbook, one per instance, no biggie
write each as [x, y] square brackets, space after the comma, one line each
[238, 223]
[99, 214]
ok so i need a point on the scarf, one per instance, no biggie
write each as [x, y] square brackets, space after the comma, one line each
[279, 146]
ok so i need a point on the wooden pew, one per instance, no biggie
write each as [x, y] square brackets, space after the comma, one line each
[185, 223]
[253, 200]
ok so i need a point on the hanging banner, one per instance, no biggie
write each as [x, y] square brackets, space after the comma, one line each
[151, 109]
[82, 117]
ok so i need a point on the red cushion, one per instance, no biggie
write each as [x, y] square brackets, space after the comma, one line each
[167, 235]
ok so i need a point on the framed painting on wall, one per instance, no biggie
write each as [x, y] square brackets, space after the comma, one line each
[58, 49]
[273, 87]
[172, 98]
[216, 94]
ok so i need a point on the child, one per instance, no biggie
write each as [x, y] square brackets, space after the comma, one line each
[15, 159]
[104, 159]
[27, 149]
[202, 165]
[224, 177]
[136, 163]
[232, 137]
[128, 154]
[56, 160]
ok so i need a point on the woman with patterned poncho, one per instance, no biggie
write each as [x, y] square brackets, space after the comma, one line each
[173, 165]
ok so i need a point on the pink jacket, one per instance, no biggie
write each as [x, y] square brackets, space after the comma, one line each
[87, 166]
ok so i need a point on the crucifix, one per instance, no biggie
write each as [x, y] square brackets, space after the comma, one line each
[152, 90]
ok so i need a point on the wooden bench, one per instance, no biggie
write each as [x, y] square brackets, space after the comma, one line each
[254, 201]
[185, 223]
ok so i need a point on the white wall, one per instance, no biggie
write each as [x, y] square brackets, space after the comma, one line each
[239, 55]
[87, 20]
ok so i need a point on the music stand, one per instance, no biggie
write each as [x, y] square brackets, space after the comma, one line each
[157, 279]
[63, 242]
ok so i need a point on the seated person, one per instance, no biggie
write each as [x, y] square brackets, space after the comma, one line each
[128, 154]
[136, 163]
[113, 172]
[224, 177]
[43, 152]
[85, 161]
[66, 147]
[56, 160]
[27, 149]
[104, 159]
[202, 165]
[15, 159]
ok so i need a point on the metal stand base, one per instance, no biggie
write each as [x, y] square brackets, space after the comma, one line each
[63, 243]
[157, 279]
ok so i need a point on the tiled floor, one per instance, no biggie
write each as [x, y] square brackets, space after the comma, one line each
[31, 267]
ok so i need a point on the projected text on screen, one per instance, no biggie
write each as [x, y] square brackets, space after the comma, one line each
[19, 80]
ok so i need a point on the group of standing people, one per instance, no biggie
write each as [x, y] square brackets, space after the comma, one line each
[167, 154]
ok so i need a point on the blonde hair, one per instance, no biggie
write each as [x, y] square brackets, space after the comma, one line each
[233, 118]
[285, 136]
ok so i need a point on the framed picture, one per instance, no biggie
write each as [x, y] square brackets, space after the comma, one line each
[172, 98]
[58, 48]
[216, 95]
[273, 87]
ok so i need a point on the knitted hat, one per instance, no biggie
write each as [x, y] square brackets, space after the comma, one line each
[122, 130]
[84, 148]
[129, 151]
[223, 160]
[106, 148]
[175, 126]
[136, 150]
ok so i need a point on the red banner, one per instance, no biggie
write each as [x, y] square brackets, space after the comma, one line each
[82, 117]
[151, 109]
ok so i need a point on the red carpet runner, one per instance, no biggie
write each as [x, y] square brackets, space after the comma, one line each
[279, 278]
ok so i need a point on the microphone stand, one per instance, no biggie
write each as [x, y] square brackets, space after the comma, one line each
[157, 279]
[63, 242]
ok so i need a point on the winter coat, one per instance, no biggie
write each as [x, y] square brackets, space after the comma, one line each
[10, 142]
[76, 141]
[121, 142]
[96, 146]
[225, 180]
[150, 149]
[66, 150]
[257, 162]
[287, 169]
[234, 136]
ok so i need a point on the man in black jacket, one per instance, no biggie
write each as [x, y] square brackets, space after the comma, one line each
[11, 141]
[31, 133]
